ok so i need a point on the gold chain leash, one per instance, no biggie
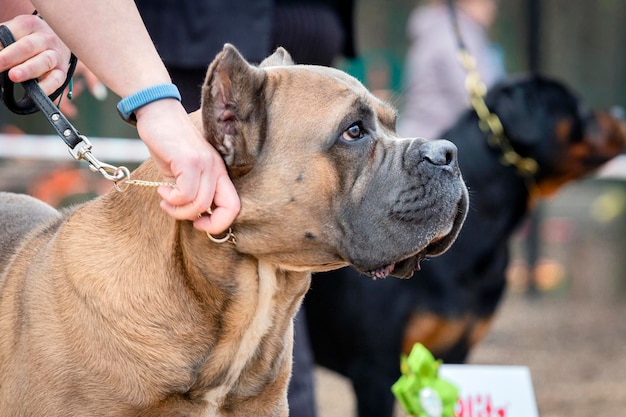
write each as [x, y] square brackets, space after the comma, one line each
[122, 181]
[490, 122]
[122, 185]
[143, 183]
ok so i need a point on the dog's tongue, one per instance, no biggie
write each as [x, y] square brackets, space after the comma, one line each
[383, 272]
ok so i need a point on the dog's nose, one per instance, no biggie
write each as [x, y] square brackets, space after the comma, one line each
[439, 152]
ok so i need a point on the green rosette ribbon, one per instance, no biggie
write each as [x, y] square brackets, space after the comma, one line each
[419, 390]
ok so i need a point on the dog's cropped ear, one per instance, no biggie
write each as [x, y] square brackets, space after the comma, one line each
[280, 57]
[233, 109]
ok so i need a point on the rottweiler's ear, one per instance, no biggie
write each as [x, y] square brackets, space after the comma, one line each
[279, 58]
[233, 109]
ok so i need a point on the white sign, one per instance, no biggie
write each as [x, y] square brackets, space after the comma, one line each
[50, 147]
[492, 391]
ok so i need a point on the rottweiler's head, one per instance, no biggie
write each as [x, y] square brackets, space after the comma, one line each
[546, 121]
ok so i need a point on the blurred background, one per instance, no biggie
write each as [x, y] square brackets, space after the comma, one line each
[564, 314]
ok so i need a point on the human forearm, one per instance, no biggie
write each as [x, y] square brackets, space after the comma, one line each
[86, 25]
[12, 8]
[110, 38]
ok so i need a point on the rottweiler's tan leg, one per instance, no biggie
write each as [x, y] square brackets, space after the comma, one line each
[436, 333]
[440, 334]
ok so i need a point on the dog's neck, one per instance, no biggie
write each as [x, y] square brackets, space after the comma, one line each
[188, 247]
[175, 254]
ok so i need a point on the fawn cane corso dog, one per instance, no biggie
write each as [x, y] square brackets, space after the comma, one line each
[359, 327]
[115, 309]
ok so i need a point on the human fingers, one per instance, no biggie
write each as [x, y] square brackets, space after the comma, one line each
[188, 159]
[198, 187]
[181, 201]
[37, 53]
[43, 67]
[195, 176]
[226, 206]
[215, 194]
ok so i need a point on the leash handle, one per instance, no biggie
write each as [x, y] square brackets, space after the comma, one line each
[35, 99]
[25, 105]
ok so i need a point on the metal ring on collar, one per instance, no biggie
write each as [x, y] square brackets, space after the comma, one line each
[229, 237]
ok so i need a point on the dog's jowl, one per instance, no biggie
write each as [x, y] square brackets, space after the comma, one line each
[115, 309]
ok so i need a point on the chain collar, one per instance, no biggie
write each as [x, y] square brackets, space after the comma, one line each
[490, 122]
[123, 185]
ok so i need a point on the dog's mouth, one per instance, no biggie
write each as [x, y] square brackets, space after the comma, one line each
[405, 267]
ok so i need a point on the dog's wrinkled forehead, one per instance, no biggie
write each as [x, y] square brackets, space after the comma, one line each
[329, 90]
[247, 111]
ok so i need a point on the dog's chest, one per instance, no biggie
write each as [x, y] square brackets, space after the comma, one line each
[244, 348]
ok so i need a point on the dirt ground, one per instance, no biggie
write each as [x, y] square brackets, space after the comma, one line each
[574, 347]
[572, 336]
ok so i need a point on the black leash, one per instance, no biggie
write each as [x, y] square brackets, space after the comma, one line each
[35, 99]
[26, 104]
[454, 18]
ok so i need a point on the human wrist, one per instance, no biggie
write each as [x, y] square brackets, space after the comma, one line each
[128, 106]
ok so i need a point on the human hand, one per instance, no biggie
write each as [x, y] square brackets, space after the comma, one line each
[37, 53]
[186, 158]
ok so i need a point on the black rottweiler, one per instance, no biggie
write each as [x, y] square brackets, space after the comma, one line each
[359, 327]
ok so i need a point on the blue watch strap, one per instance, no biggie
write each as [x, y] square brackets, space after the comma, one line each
[128, 105]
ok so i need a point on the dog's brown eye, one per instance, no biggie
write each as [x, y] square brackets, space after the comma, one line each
[354, 132]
